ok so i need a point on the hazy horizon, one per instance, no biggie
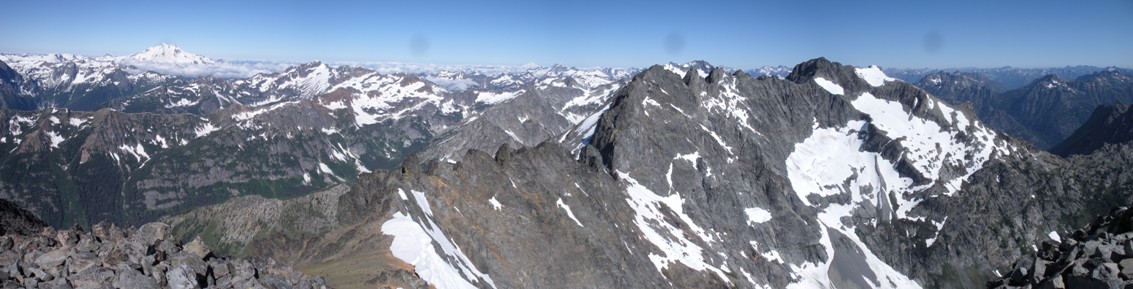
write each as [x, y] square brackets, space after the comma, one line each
[890, 34]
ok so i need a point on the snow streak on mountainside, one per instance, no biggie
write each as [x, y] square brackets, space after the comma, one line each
[830, 177]
[680, 152]
[906, 147]
[276, 134]
[835, 162]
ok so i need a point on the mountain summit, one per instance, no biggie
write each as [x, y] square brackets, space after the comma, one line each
[170, 54]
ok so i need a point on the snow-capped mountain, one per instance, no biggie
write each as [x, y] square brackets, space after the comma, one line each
[160, 140]
[679, 175]
[832, 177]
[166, 53]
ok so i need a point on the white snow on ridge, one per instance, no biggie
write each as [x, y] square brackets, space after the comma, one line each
[830, 162]
[594, 96]
[931, 146]
[205, 129]
[137, 151]
[413, 243]
[489, 97]
[757, 215]
[586, 128]
[381, 97]
[829, 86]
[730, 103]
[495, 203]
[54, 138]
[76, 122]
[674, 244]
[568, 211]
[316, 82]
[182, 103]
[830, 156]
[674, 69]
[873, 75]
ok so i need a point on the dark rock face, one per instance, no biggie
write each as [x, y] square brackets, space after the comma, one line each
[10, 97]
[1109, 124]
[16, 220]
[147, 257]
[1100, 255]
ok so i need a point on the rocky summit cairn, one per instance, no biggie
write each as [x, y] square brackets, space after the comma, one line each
[1097, 256]
[146, 257]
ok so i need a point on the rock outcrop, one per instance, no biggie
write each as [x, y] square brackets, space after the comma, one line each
[146, 257]
[1099, 255]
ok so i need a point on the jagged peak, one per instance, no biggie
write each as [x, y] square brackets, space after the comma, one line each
[811, 68]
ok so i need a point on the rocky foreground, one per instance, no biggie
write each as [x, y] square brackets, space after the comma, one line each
[1097, 256]
[147, 257]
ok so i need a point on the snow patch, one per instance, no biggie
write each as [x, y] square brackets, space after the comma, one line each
[829, 86]
[137, 151]
[54, 138]
[675, 246]
[495, 204]
[757, 215]
[413, 243]
[873, 75]
[568, 211]
[205, 129]
[76, 121]
[586, 128]
[489, 97]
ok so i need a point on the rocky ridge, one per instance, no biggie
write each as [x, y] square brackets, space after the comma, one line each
[1099, 255]
[673, 178]
[146, 257]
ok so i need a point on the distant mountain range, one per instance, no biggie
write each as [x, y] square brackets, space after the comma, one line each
[1006, 77]
[691, 175]
[1044, 112]
[91, 139]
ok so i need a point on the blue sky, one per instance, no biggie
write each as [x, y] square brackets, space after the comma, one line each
[740, 34]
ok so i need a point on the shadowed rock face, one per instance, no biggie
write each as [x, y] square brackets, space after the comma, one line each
[833, 176]
[1108, 125]
[16, 220]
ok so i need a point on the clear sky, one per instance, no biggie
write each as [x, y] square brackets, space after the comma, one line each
[742, 34]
